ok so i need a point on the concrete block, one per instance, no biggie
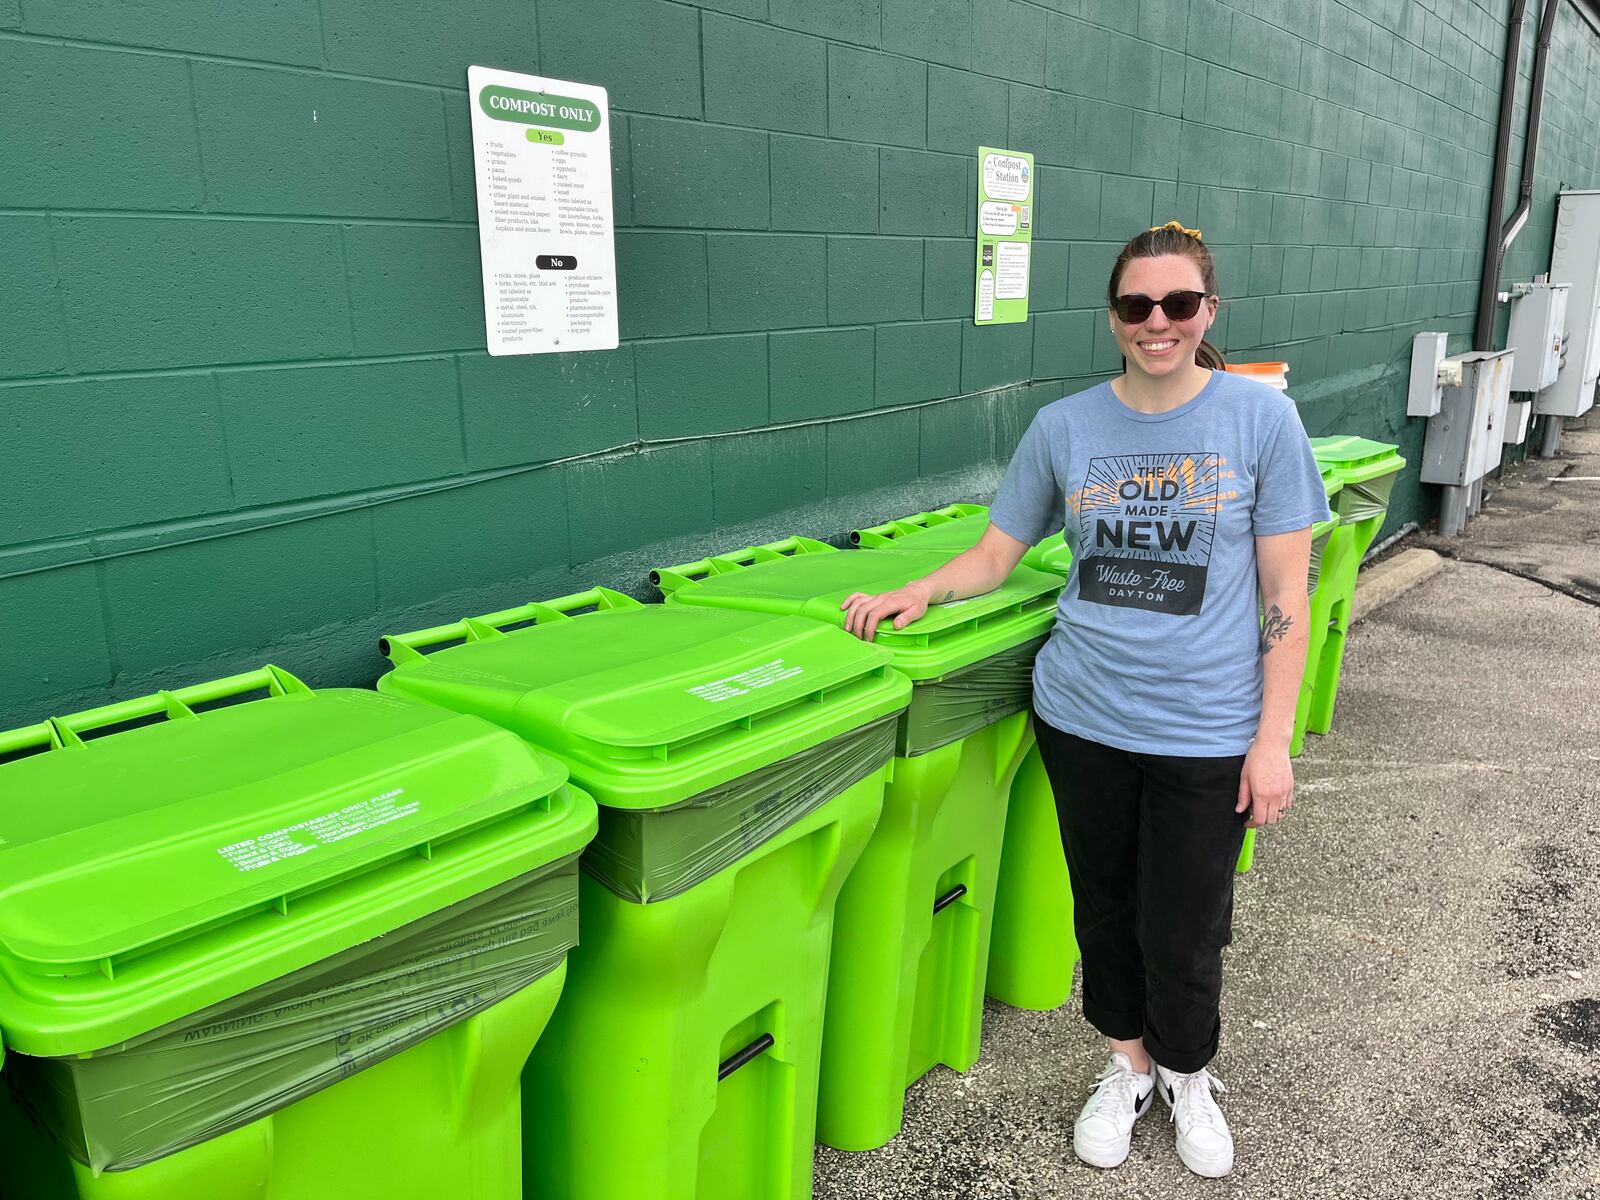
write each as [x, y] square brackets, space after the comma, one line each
[829, 187]
[918, 362]
[430, 41]
[1133, 72]
[856, 21]
[484, 534]
[153, 292]
[821, 373]
[957, 434]
[629, 500]
[1075, 56]
[541, 407]
[414, 288]
[875, 97]
[1088, 272]
[287, 31]
[767, 281]
[35, 342]
[119, 452]
[300, 432]
[648, 61]
[948, 274]
[1125, 207]
[938, 31]
[874, 279]
[39, 664]
[770, 78]
[1104, 139]
[1063, 344]
[1008, 40]
[62, 148]
[288, 141]
[1069, 204]
[1047, 284]
[173, 608]
[1044, 123]
[687, 174]
[661, 284]
[698, 386]
[768, 472]
[995, 355]
[873, 452]
[922, 193]
[1164, 22]
[966, 111]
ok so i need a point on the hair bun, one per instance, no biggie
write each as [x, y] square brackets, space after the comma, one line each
[1180, 227]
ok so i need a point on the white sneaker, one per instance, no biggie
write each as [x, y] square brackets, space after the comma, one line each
[1204, 1143]
[1119, 1097]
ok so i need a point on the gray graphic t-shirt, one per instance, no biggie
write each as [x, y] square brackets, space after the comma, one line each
[1156, 645]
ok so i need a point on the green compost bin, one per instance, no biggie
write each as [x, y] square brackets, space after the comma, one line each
[262, 942]
[912, 946]
[1366, 471]
[954, 528]
[1319, 601]
[739, 762]
[1032, 948]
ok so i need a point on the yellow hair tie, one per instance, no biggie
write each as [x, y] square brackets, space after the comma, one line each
[1179, 226]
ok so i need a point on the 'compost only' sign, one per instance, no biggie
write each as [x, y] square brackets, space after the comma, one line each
[541, 149]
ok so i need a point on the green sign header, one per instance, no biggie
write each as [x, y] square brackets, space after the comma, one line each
[538, 108]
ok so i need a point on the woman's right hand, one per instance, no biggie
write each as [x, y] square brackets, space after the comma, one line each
[863, 612]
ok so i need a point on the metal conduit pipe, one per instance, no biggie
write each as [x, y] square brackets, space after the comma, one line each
[1499, 232]
[1489, 284]
[1530, 145]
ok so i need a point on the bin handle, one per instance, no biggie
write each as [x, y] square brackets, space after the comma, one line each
[950, 897]
[176, 704]
[401, 648]
[743, 1057]
[670, 579]
[29, 737]
[542, 612]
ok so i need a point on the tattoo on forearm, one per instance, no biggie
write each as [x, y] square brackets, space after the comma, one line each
[950, 595]
[1273, 628]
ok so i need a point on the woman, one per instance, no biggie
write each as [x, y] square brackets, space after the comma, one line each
[1165, 696]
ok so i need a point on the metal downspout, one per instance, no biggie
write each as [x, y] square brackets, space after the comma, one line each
[1499, 232]
[1489, 284]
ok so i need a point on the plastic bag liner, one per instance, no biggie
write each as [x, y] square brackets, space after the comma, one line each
[644, 855]
[1314, 572]
[1358, 501]
[245, 1058]
[970, 699]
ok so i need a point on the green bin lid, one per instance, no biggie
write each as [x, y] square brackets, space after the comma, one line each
[649, 704]
[1357, 459]
[954, 528]
[811, 579]
[197, 852]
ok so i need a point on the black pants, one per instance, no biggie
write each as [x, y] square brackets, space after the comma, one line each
[1151, 844]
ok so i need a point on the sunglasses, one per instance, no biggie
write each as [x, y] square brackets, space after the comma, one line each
[1134, 309]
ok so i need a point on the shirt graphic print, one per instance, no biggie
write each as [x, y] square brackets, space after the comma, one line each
[1146, 524]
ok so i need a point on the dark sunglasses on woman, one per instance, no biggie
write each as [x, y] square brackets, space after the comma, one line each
[1134, 309]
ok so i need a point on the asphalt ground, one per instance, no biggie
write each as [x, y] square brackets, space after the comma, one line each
[1412, 1002]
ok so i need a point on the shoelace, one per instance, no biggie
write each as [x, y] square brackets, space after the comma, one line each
[1116, 1083]
[1194, 1092]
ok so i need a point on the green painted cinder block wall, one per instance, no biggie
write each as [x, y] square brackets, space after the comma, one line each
[245, 410]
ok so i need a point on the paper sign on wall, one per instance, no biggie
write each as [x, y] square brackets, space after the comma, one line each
[541, 149]
[1005, 236]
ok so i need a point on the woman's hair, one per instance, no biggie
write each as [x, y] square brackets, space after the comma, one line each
[1171, 238]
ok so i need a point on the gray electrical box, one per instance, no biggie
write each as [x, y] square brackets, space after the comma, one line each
[1538, 324]
[1575, 258]
[1463, 442]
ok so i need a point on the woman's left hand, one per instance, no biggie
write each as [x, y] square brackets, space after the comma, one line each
[1266, 785]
